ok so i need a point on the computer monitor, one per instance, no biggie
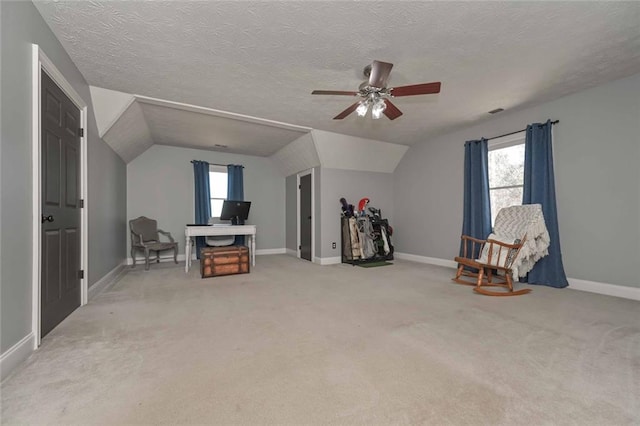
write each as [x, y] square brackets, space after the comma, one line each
[235, 211]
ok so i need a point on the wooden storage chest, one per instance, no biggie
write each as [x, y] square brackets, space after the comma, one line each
[229, 260]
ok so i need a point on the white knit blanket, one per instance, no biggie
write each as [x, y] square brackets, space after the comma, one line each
[517, 221]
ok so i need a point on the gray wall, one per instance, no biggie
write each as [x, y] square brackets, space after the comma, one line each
[291, 212]
[352, 185]
[596, 153]
[21, 25]
[107, 203]
[160, 185]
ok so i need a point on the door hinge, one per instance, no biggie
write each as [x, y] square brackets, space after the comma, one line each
[81, 204]
[81, 274]
[299, 247]
[81, 132]
[299, 186]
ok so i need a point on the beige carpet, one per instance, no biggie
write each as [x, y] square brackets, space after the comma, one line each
[297, 343]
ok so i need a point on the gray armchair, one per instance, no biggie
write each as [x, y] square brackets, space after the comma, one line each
[145, 236]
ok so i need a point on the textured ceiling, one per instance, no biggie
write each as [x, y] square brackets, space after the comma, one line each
[170, 125]
[130, 135]
[263, 59]
[146, 122]
[131, 124]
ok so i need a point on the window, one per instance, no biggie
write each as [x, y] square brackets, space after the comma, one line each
[506, 174]
[217, 188]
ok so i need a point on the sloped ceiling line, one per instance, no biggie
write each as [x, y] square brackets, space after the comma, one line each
[219, 113]
[299, 155]
[129, 136]
[109, 105]
[130, 124]
[338, 151]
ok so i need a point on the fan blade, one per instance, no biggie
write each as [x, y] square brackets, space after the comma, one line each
[333, 92]
[416, 89]
[346, 112]
[391, 110]
[379, 74]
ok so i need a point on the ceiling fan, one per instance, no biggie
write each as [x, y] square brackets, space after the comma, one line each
[376, 94]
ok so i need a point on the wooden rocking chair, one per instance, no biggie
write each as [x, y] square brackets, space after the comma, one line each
[492, 259]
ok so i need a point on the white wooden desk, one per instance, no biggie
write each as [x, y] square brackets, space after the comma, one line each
[190, 232]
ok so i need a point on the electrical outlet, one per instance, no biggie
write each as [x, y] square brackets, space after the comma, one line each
[333, 245]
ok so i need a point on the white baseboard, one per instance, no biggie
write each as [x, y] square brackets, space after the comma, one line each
[327, 260]
[261, 252]
[292, 252]
[16, 355]
[110, 278]
[632, 293]
[424, 259]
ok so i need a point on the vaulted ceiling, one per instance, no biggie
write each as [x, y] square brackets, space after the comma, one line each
[131, 124]
[263, 59]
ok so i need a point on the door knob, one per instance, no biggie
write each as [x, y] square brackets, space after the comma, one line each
[47, 218]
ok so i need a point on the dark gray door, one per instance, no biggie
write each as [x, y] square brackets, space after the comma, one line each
[60, 172]
[305, 217]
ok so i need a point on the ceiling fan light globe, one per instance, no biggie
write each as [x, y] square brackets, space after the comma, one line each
[362, 109]
[377, 109]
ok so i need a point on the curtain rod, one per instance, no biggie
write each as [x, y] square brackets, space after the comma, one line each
[216, 164]
[519, 131]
